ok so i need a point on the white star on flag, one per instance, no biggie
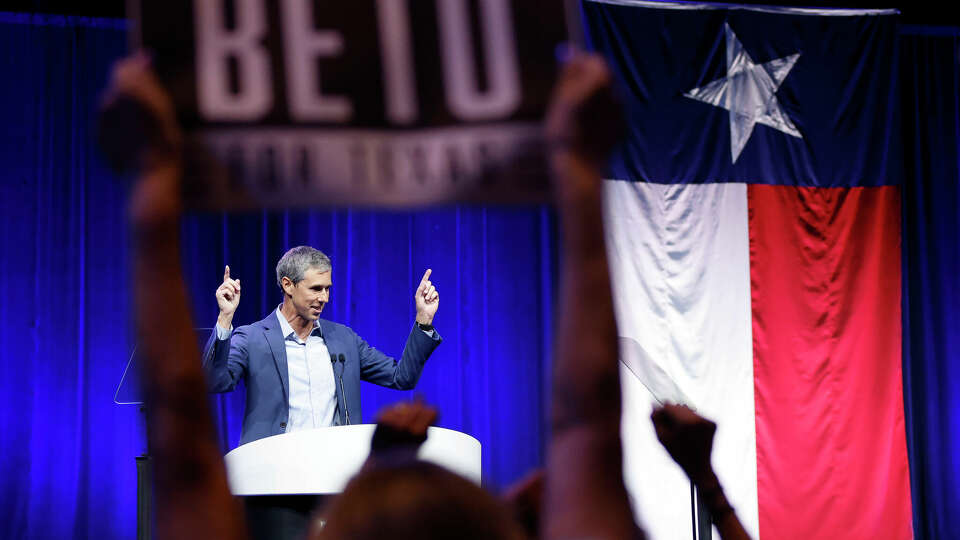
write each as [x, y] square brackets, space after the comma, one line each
[749, 93]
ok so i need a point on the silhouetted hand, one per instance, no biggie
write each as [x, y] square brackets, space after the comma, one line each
[402, 426]
[689, 439]
[687, 436]
[138, 122]
[138, 118]
[583, 114]
[525, 501]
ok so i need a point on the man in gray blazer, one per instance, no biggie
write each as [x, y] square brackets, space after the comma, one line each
[300, 371]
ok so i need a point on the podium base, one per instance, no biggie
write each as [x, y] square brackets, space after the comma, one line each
[280, 517]
[144, 497]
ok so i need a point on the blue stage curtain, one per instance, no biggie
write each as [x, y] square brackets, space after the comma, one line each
[67, 451]
[931, 263]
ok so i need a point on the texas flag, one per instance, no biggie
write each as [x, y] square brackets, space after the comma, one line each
[753, 226]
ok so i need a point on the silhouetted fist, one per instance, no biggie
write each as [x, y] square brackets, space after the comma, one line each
[402, 426]
[583, 115]
[687, 436]
[138, 123]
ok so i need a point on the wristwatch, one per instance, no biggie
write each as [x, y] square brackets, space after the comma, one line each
[425, 327]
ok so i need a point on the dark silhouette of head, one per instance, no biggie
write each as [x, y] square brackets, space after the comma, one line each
[415, 499]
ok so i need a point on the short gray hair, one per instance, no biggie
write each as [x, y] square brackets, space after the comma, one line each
[298, 260]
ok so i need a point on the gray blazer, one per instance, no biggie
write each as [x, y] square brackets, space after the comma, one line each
[256, 353]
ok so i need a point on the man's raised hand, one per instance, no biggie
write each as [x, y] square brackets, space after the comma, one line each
[427, 299]
[228, 298]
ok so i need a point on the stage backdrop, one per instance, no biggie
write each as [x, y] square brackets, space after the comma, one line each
[67, 466]
[66, 451]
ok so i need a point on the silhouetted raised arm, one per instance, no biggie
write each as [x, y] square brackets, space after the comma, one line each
[192, 496]
[585, 493]
[688, 437]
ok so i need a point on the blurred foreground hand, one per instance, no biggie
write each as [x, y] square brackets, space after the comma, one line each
[687, 436]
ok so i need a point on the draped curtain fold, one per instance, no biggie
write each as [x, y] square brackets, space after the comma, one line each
[930, 90]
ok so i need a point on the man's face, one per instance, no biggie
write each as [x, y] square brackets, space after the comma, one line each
[310, 294]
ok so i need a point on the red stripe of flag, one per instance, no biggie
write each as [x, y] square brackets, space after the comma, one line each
[825, 294]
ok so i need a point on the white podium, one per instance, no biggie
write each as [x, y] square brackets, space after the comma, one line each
[322, 461]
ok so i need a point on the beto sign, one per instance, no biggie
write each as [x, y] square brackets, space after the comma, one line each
[384, 102]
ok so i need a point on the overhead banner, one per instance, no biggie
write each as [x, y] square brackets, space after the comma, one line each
[373, 102]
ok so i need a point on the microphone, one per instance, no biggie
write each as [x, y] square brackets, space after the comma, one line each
[343, 391]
